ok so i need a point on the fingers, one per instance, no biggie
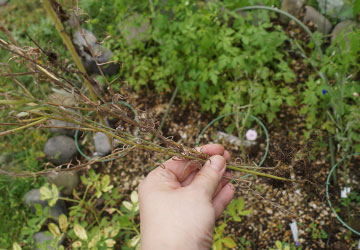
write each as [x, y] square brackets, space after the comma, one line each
[209, 176]
[189, 179]
[224, 180]
[182, 169]
[223, 198]
[227, 155]
[211, 149]
[214, 149]
[160, 178]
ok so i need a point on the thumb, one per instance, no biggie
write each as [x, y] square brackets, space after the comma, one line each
[209, 176]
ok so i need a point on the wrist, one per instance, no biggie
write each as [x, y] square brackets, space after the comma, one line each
[175, 241]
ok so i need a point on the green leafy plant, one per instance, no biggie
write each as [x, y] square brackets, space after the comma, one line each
[28, 156]
[220, 61]
[285, 246]
[87, 226]
[352, 197]
[333, 106]
[316, 233]
[234, 212]
[208, 59]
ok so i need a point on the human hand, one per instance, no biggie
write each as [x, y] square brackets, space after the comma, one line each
[179, 203]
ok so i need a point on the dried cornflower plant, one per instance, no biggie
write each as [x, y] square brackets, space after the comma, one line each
[30, 111]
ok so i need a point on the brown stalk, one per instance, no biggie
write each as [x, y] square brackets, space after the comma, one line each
[57, 111]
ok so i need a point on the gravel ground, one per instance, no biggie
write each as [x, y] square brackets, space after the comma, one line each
[275, 204]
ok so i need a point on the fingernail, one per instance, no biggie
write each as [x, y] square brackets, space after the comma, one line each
[217, 162]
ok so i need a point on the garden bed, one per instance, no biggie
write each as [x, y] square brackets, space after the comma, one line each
[306, 123]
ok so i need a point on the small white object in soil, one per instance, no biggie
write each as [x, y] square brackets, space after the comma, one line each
[294, 230]
[234, 140]
[313, 205]
[345, 192]
[269, 211]
[251, 135]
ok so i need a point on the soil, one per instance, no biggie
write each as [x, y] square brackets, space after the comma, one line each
[275, 204]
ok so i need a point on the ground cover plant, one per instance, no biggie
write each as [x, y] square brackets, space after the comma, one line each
[218, 62]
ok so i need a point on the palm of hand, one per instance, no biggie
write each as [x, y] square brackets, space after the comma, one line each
[179, 204]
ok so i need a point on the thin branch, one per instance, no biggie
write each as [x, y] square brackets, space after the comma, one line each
[22, 127]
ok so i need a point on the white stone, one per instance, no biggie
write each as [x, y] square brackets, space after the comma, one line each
[294, 231]
[345, 192]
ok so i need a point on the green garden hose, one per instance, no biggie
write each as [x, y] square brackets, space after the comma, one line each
[328, 196]
[77, 134]
[252, 117]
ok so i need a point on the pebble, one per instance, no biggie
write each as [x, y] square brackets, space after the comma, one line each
[313, 205]
[64, 131]
[269, 210]
[322, 24]
[101, 143]
[47, 240]
[134, 183]
[62, 97]
[60, 149]
[292, 7]
[346, 27]
[33, 197]
[67, 180]
[336, 8]
[102, 55]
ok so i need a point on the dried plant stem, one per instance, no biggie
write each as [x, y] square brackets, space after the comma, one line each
[242, 169]
[149, 147]
[7, 33]
[38, 112]
[41, 120]
[159, 149]
[12, 102]
[156, 148]
[70, 46]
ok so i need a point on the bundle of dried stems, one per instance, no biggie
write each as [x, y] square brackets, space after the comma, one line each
[44, 67]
